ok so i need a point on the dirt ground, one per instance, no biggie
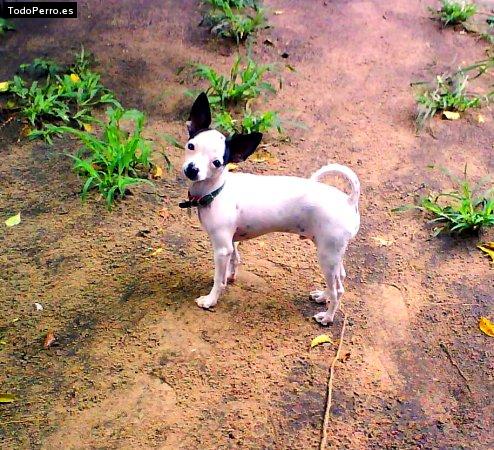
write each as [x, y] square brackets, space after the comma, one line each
[136, 363]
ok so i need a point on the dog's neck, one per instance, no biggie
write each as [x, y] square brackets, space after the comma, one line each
[204, 187]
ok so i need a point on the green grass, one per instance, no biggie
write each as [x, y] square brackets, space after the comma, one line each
[455, 12]
[6, 25]
[68, 98]
[41, 67]
[448, 93]
[245, 82]
[249, 122]
[235, 19]
[464, 210]
[116, 160]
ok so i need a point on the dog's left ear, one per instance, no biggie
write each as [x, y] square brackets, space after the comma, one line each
[200, 115]
[240, 146]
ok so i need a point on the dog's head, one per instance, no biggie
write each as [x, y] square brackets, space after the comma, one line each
[207, 151]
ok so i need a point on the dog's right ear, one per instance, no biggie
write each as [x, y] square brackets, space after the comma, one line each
[240, 146]
[200, 115]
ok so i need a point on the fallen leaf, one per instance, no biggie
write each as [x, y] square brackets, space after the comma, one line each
[486, 326]
[25, 131]
[480, 118]
[14, 220]
[4, 86]
[263, 155]
[157, 172]
[74, 78]
[6, 398]
[451, 115]
[157, 252]
[487, 248]
[382, 241]
[321, 339]
[290, 67]
[87, 127]
[232, 166]
[49, 339]
[278, 12]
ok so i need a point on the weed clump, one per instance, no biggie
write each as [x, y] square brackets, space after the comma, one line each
[235, 19]
[455, 12]
[116, 160]
[64, 95]
[464, 210]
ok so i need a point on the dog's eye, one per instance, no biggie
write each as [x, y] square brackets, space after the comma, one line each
[216, 163]
[190, 146]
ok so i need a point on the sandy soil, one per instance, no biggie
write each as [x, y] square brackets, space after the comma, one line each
[136, 364]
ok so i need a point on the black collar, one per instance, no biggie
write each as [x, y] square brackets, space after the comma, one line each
[205, 200]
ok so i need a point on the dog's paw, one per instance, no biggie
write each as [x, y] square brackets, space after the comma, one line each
[323, 318]
[206, 301]
[318, 296]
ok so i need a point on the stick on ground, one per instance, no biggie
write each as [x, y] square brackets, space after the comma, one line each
[324, 438]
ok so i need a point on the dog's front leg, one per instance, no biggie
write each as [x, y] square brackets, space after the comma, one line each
[223, 249]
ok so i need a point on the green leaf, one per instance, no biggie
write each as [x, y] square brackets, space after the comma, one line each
[7, 398]
[13, 220]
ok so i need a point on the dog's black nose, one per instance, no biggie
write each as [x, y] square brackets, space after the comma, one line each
[191, 171]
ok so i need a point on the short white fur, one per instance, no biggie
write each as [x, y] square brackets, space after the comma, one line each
[252, 205]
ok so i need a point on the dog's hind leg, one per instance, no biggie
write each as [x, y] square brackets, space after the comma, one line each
[331, 262]
[319, 296]
[234, 263]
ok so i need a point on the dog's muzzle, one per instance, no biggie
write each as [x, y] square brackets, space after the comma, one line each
[191, 171]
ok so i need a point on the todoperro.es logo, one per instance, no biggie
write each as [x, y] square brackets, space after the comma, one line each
[35, 10]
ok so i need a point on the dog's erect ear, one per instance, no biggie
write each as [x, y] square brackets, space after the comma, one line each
[200, 115]
[240, 146]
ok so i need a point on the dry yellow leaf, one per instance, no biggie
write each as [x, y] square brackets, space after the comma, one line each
[232, 166]
[87, 127]
[157, 172]
[487, 248]
[480, 118]
[383, 242]
[451, 115]
[486, 326]
[6, 398]
[157, 252]
[321, 339]
[14, 220]
[74, 78]
[263, 155]
[4, 86]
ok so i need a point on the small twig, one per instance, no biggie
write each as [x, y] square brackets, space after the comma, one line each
[154, 193]
[26, 419]
[448, 354]
[324, 438]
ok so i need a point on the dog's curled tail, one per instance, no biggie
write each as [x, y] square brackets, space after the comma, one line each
[348, 173]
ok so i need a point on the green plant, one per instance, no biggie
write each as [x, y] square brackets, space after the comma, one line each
[115, 161]
[464, 210]
[59, 99]
[244, 83]
[448, 94]
[39, 102]
[235, 19]
[249, 122]
[40, 68]
[6, 25]
[455, 12]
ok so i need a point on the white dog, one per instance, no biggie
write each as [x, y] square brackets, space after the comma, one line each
[234, 207]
